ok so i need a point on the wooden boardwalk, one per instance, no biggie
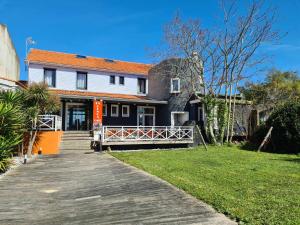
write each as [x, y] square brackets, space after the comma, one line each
[78, 188]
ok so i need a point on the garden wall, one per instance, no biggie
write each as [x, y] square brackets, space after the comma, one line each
[47, 142]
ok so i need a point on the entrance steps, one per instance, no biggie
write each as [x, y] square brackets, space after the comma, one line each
[76, 140]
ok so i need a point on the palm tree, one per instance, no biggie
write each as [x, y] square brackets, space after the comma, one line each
[37, 100]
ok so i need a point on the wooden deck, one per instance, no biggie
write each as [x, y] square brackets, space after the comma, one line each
[94, 189]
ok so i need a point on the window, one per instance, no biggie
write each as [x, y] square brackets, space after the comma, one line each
[81, 80]
[114, 110]
[121, 80]
[146, 116]
[104, 110]
[175, 85]
[50, 77]
[112, 79]
[141, 85]
[125, 110]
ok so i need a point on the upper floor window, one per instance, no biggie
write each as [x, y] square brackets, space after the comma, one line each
[81, 80]
[112, 79]
[122, 80]
[175, 85]
[50, 77]
[141, 85]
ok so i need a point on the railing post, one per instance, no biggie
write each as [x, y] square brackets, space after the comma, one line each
[55, 123]
[122, 133]
[152, 133]
[166, 132]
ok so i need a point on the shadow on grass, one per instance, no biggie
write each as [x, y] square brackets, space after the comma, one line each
[294, 160]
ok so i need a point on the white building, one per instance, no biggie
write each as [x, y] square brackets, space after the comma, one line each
[78, 80]
[9, 61]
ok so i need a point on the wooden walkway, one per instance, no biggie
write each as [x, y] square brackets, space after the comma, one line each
[78, 188]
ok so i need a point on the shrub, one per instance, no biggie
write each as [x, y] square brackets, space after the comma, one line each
[286, 128]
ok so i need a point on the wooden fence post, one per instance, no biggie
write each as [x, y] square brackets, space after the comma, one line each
[265, 139]
[202, 139]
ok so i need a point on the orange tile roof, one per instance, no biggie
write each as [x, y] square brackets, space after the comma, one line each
[92, 63]
[105, 96]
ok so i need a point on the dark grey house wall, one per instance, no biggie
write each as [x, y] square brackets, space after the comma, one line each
[159, 87]
[120, 121]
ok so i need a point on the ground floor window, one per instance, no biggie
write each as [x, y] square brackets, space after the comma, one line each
[146, 115]
[125, 110]
[104, 109]
[114, 111]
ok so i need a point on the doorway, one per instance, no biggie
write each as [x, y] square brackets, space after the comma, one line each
[76, 116]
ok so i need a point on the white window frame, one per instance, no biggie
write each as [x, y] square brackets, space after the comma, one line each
[172, 88]
[146, 114]
[105, 106]
[128, 113]
[111, 112]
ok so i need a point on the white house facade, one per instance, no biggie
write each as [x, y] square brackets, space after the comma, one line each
[78, 80]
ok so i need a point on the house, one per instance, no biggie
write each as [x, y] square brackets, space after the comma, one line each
[78, 80]
[9, 61]
[142, 103]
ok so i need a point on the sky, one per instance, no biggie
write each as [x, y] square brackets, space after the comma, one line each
[125, 30]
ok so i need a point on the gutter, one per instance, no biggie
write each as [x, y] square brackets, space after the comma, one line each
[115, 99]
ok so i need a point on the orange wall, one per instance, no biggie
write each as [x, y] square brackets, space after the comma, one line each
[47, 142]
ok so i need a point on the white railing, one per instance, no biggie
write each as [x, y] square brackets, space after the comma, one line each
[147, 133]
[48, 122]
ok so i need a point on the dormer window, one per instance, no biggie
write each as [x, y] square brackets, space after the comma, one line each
[175, 85]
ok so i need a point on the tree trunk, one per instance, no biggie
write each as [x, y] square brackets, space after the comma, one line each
[32, 138]
[229, 114]
[233, 113]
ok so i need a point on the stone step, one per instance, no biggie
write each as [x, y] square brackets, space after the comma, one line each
[75, 146]
[77, 135]
[76, 141]
[78, 149]
[65, 138]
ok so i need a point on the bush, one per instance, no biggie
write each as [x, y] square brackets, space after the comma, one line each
[286, 128]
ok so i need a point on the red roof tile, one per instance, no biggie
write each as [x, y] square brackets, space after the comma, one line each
[92, 63]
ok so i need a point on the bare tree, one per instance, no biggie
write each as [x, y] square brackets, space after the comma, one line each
[216, 61]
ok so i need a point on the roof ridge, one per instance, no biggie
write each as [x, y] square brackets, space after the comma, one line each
[67, 53]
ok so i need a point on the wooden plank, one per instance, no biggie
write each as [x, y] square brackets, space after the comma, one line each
[266, 138]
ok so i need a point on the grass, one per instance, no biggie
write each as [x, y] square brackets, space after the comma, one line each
[252, 188]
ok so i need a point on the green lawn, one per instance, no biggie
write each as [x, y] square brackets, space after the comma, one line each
[255, 188]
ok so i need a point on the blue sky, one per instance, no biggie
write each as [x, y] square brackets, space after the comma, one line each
[125, 29]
